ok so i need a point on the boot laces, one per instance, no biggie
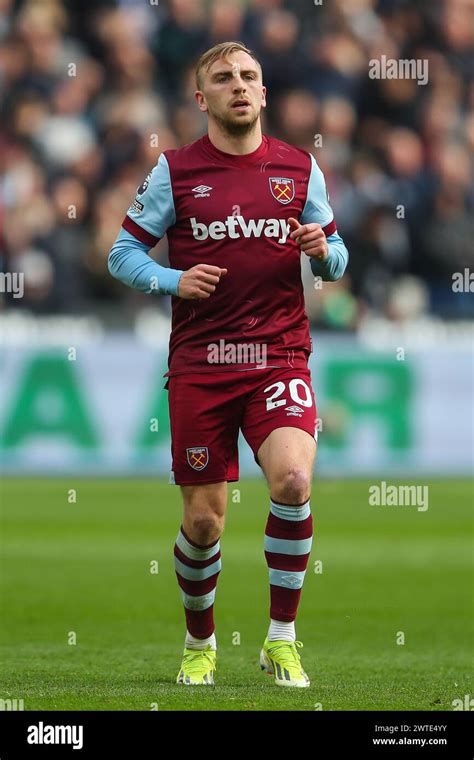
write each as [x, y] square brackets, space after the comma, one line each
[286, 653]
[192, 660]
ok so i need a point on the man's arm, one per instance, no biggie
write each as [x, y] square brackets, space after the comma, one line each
[147, 220]
[150, 215]
[324, 245]
[130, 263]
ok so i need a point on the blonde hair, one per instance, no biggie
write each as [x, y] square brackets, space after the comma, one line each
[223, 50]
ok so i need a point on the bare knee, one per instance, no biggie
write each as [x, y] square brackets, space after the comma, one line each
[204, 513]
[204, 527]
[291, 486]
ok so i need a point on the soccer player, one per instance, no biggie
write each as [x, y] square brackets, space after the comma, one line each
[238, 207]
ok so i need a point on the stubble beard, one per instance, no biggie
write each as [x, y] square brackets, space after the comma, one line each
[235, 128]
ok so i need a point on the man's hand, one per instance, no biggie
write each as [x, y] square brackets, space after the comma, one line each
[199, 281]
[310, 238]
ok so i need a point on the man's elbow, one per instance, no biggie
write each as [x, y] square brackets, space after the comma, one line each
[339, 271]
[339, 257]
[333, 276]
[332, 269]
[112, 262]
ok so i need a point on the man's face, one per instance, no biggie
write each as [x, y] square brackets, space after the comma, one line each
[232, 93]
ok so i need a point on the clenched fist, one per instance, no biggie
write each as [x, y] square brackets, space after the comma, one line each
[200, 281]
[310, 238]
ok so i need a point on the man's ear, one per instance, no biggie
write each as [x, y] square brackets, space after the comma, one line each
[264, 96]
[201, 101]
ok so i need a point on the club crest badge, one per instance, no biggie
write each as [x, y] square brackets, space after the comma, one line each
[283, 189]
[198, 457]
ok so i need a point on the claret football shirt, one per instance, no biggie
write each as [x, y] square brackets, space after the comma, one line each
[232, 211]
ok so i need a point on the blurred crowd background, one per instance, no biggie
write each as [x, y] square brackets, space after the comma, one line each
[92, 92]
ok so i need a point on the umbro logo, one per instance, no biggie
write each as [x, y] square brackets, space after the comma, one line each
[201, 191]
[293, 411]
[290, 580]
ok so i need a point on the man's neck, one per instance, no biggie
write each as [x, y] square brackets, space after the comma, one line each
[236, 145]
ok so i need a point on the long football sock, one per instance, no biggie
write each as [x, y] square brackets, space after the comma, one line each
[197, 569]
[288, 540]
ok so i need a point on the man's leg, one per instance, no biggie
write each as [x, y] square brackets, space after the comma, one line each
[204, 418]
[287, 457]
[198, 559]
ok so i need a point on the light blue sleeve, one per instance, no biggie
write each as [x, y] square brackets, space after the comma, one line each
[317, 209]
[153, 208]
[147, 220]
[130, 263]
[334, 266]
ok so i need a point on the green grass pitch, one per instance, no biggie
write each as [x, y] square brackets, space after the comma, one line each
[84, 567]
